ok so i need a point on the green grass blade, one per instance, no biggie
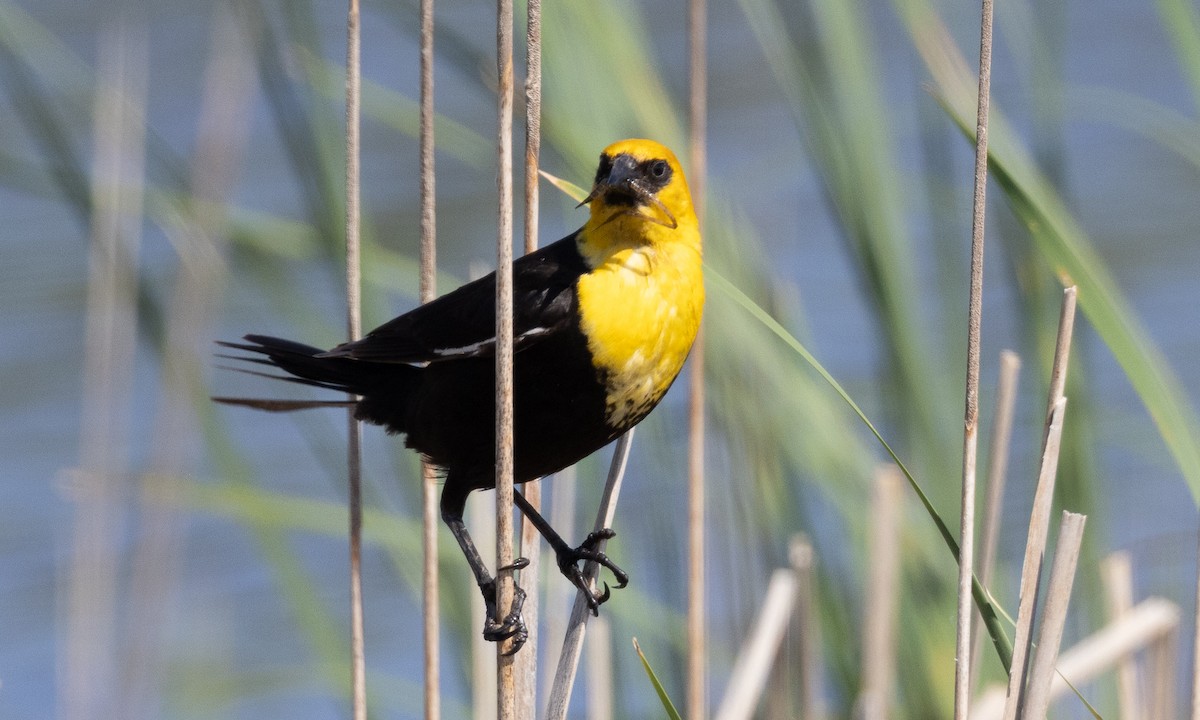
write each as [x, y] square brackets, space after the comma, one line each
[1181, 21]
[835, 95]
[982, 598]
[1064, 246]
[672, 713]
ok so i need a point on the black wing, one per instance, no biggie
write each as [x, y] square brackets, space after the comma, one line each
[462, 323]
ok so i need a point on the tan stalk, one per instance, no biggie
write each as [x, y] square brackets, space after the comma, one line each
[505, 677]
[1116, 574]
[1062, 350]
[966, 542]
[1031, 570]
[804, 563]
[1054, 616]
[481, 518]
[883, 585]
[110, 341]
[199, 237]
[568, 659]
[1039, 522]
[428, 290]
[697, 626]
[997, 476]
[1096, 654]
[757, 654]
[1160, 668]
[600, 671]
[556, 609]
[527, 659]
[358, 672]
[1196, 647]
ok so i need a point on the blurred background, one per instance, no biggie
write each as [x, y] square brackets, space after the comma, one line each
[171, 173]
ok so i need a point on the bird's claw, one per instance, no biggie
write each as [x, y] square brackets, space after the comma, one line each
[588, 551]
[519, 564]
[513, 626]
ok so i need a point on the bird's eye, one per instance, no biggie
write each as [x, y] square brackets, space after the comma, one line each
[659, 168]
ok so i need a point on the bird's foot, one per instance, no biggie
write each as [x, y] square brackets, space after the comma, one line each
[513, 625]
[588, 551]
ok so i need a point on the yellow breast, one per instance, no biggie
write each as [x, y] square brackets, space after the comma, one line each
[640, 309]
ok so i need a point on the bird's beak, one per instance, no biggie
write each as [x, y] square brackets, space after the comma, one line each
[620, 178]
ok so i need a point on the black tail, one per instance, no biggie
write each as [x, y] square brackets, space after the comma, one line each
[306, 366]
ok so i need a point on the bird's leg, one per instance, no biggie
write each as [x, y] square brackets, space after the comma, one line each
[569, 557]
[494, 629]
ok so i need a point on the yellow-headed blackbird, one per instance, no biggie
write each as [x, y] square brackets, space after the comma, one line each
[604, 319]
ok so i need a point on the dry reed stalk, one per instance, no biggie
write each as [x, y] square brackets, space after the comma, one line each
[697, 626]
[1160, 668]
[428, 290]
[1062, 350]
[1035, 545]
[998, 450]
[481, 518]
[785, 697]
[527, 659]
[1031, 568]
[753, 665]
[1054, 616]
[199, 239]
[779, 699]
[533, 119]
[555, 611]
[883, 586]
[358, 671]
[505, 677]
[966, 543]
[600, 671]
[568, 659]
[110, 327]
[1148, 621]
[1196, 646]
[1116, 574]
[804, 564]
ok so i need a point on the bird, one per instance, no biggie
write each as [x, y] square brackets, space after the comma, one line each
[604, 320]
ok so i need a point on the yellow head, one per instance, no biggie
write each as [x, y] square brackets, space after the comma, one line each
[640, 196]
[641, 302]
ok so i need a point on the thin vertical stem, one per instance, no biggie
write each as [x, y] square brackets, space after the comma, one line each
[527, 659]
[1054, 616]
[1031, 568]
[804, 561]
[753, 665]
[200, 238]
[428, 291]
[1160, 668]
[1116, 574]
[533, 119]
[568, 659]
[879, 613]
[556, 612]
[110, 326]
[697, 631]
[998, 451]
[1196, 644]
[505, 699]
[1043, 497]
[1142, 627]
[1062, 350]
[966, 555]
[358, 679]
[481, 518]
[600, 671]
